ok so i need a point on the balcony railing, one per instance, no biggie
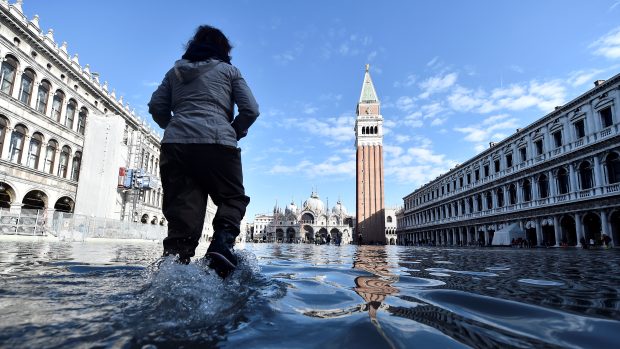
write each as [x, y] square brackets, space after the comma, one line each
[585, 193]
[560, 198]
[612, 188]
[590, 139]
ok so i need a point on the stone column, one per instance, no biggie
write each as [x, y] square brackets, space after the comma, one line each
[16, 206]
[598, 178]
[17, 82]
[34, 95]
[557, 230]
[42, 153]
[486, 235]
[552, 188]
[475, 208]
[539, 234]
[605, 229]
[7, 143]
[50, 102]
[572, 176]
[25, 150]
[494, 196]
[579, 228]
[566, 131]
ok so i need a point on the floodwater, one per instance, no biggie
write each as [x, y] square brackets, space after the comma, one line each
[109, 294]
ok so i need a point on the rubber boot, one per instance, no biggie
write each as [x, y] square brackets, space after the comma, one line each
[220, 253]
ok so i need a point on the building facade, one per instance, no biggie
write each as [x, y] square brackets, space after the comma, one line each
[313, 222]
[369, 179]
[390, 226]
[50, 107]
[556, 182]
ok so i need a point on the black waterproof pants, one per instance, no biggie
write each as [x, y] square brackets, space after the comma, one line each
[191, 173]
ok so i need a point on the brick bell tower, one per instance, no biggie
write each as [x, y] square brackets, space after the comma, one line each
[370, 206]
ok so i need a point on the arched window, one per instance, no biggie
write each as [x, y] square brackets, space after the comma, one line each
[42, 96]
[363, 130]
[77, 161]
[543, 186]
[376, 130]
[612, 163]
[585, 175]
[527, 190]
[479, 202]
[34, 151]
[389, 219]
[25, 89]
[71, 107]
[17, 144]
[7, 74]
[563, 182]
[4, 125]
[59, 98]
[82, 120]
[65, 153]
[500, 197]
[489, 198]
[50, 156]
[470, 204]
[512, 194]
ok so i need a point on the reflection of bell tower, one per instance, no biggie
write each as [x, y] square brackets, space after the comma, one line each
[369, 165]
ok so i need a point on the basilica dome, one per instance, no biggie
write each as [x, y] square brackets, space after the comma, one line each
[290, 208]
[314, 203]
[339, 209]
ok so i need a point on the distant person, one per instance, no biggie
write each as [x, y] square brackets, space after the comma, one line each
[328, 239]
[583, 242]
[195, 104]
[606, 241]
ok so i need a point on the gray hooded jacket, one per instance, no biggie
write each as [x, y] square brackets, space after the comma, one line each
[195, 103]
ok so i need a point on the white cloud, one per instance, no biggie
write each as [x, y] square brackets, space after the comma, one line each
[405, 103]
[310, 109]
[414, 120]
[609, 45]
[543, 95]
[333, 165]
[431, 110]
[517, 69]
[409, 81]
[289, 55]
[329, 131]
[581, 77]
[438, 121]
[150, 83]
[371, 56]
[437, 84]
[488, 130]
[415, 165]
[284, 58]
[402, 138]
[432, 62]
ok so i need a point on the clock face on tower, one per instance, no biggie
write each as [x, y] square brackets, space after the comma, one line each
[367, 110]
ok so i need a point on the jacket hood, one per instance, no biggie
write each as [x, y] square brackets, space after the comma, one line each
[187, 71]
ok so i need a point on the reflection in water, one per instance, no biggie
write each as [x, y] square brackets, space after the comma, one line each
[102, 294]
[373, 289]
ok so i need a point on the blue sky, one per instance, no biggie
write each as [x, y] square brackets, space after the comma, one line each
[451, 75]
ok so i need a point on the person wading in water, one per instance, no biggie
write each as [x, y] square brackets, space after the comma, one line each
[199, 158]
